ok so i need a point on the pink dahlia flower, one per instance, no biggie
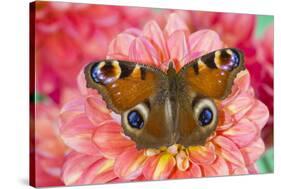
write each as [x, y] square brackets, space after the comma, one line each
[49, 147]
[70, 35]
[101, 152]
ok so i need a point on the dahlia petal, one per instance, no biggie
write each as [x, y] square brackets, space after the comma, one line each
[252, 169]
[142, 51]
[175, 23]
[242, 133]
[240, 105]
[182, 161]
[193, 171]
[78, 133]
[153, 32]
[228, 150]
[243, 80]
[75, 165]
[202, 154]
[119, 47]
[235, 170]
[252, 152]
[204, 41]
[225, 121]
[217, 168]
[179, 48]
[159, 167]
[129, 164]
[259, 114]
[71, 110]
[110, 141]
[96, 109]
[100, 171]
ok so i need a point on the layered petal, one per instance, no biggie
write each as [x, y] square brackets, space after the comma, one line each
[217, 168]
[202, 154]
[159, 167]
[129, 164]
[109, 140]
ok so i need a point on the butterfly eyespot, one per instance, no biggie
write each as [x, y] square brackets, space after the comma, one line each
[205, 112]
[135, 119]
[205, 117]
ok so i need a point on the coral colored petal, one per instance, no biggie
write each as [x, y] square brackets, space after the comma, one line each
[242, 133]
[96, 109]
[129, 164]
[75, 165]
[235, 170]
[100, 171]
[243, 81]
[253, 152]
[205, 41]
[253, 169]
[71, 109]
[119, 47]
[183, 162]
[142, 51]
[179, 48]
[217, 168]
[228, 150]
[110, 141]
[175, 23]
[225, 121]
[240, 105]
[153, 32]
[202, 154]
[78, 133]
[159, 167]
[192, 172]
[259, 114]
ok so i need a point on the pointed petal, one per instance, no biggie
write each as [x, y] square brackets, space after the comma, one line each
[193, 171]
[119, 47]
[75, 165]
[71, 109]
[236, 170]
[129, 164]
[100, 171]
[259, 114]
[179, 48]
[175, 23]
[142, 51]
[240, 105]
[96, 109]
[159, 167]
[253, 152]
[205, 41]
[78, 133]
[217, 168]
[110, 141]
[228, 150]
[242, 133]
[202, 154]
[183, 162]
[153, 32]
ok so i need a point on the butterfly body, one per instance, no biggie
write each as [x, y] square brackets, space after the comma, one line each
[160, 108]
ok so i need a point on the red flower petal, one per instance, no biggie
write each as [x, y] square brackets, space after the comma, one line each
[78, 133]
[217, 168]
[242, 133]
[75, 165]
[253, 152]
[204, 41]
[110, 141]
[202, 154]
[228, 150]
[159, 167]
[259, 114]
[192, 172]
[129, 164]
[153, 32]
[175, 23]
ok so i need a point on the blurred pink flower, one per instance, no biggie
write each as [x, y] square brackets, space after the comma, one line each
[49, 148]
[70, 35]
[102, 153]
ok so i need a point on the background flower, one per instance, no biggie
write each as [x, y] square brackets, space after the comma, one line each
[92, 131]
